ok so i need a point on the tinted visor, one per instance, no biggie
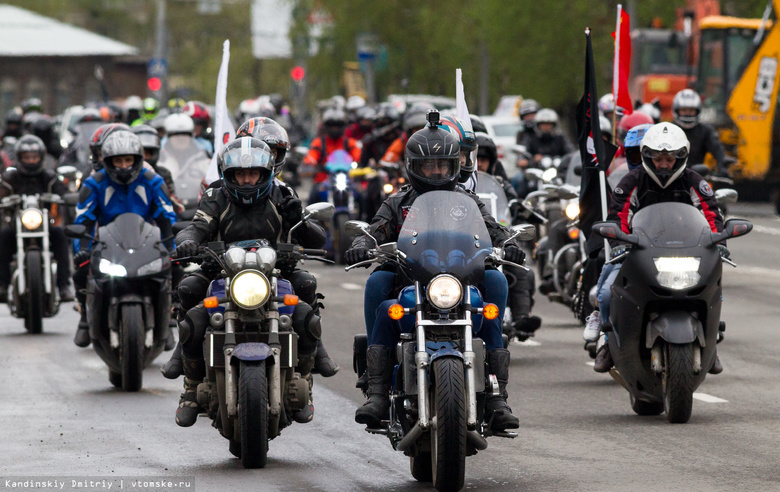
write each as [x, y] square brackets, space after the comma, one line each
[435, 168]
[680, 153]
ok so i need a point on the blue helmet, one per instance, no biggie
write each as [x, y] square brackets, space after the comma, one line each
[632, 144]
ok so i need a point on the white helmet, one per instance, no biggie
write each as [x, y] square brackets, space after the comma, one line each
[179, 123]
[546, 115]
[669, 139]
[686, 98]
[355, 102]
[133, 102]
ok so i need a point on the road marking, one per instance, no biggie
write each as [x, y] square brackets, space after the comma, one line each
[528, 343]
[767, 272]
[766, 230]
[590, 363]
[351, 286]
[709, 398]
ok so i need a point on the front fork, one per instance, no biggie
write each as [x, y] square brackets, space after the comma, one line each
[21, 277]
[422, 360]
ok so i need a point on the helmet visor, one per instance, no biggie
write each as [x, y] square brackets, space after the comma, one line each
[654, 154]
[435, 169]
[251, 157]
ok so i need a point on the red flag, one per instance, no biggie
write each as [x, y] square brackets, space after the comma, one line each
[622, 62]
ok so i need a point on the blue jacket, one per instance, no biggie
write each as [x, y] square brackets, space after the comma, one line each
[101, 200]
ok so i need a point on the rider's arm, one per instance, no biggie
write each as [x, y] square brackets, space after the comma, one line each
[87, 211]
[623, 201]
[6, 188]
[384, 227]
[315, 152]
[394, 152]
[162, 208]
[205, 224]
[703, 198]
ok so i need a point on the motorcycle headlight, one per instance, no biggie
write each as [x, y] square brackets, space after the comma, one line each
[572, 210]
[549, 174]
[154, 266]
[250, 289]
[341, 181]
[388, 188]
[112, 269]
[677, 273]
[32, 219]
[444, 292]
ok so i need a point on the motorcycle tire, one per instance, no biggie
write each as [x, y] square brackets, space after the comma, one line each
[253, 414]
[421, 467]
[644, 408]
[448, 436]
[131, 355]
[678, 381]
[33, 320]
[341, 240]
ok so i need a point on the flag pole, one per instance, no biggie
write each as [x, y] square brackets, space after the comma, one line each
[616, 75]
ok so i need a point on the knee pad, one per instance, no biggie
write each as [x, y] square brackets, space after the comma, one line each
[305, 286]
[192, 331]
[192, 289]
[308, 325]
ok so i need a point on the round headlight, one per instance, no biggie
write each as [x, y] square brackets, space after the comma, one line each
[572, 210]
[32, 219]
[444, 292]
[250, 289]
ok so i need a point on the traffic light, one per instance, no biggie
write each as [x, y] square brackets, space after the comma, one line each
[154, 84]
[297, 73]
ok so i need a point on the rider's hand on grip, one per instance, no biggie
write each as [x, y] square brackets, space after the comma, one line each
[186, 248]
[356, 255]
[291, 209]
[514, 254]
[724, 251]
[81, 258]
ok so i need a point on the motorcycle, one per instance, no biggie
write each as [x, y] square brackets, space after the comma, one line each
[128, 296]
[251, 387]
[188, 165]
[32, 294]
[666, 302]
[440, 382]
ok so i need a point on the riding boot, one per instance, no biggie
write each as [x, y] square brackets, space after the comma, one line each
[717, 367]
[379, 366]
[82, 338]
[305, 364]
[188, 410]
[498, 414]
[323, 364]
[173, 368]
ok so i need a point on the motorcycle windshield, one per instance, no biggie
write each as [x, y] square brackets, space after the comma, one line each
[339, 161]
[188, 164]
[492, 195]
[81, 143]
[670, 225]
[129, 241]
[444, 233]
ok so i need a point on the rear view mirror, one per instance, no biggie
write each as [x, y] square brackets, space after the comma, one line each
[319, 211]
[76, 231]
[355, 228]
[611, 230]
[523, 232]
[732, 228]
[726, 195]
[71, 199]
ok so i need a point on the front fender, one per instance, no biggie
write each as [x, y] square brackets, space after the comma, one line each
[678, 327]
[251, 351]
[446, 352]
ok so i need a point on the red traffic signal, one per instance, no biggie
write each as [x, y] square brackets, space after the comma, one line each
[154, 84]
[297, 73]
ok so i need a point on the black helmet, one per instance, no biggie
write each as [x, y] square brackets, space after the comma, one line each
[13, 123]
[270, 132]
[427, 147]
[477, 124]
[150, 140]
[486, 148]
[118, 143]
[246, 153]
[29, 143]
[96, 142]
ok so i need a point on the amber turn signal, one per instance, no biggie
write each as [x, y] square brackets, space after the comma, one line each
[290, 300]
[210, 302]
[490, 311]
[396, 311]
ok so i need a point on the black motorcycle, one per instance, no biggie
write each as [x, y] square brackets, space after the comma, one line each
[666, 301]
[128, 296]
[441, 379]
[32, 295]
[252, 389]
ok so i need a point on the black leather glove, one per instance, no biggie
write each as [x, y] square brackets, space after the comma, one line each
[186, 248]
[514, 254]
[356, 255]
[291, 210]
[724, 251]
[81, 257]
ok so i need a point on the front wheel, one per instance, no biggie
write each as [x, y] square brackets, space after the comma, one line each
[132, 331]
[448, 435]
[253, 414]
[33, 320]
[678, 381]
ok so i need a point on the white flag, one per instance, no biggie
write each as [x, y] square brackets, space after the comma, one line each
[223, 127]
[463, 114]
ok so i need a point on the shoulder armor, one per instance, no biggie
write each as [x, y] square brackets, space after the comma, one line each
[149, 174]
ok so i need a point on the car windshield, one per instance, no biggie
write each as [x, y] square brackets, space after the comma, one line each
[507, 129]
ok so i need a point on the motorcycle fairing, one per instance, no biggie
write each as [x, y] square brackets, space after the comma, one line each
[678, 327]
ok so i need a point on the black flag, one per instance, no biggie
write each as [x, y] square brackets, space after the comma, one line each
[596, 155]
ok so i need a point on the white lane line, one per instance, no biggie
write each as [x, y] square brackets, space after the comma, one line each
[709, 398]
[766, 230]
[590, 363]
[351, 286]
[527, 343]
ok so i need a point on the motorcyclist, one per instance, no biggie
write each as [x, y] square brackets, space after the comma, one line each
[122, 186]
[468, 150]
[43, 128]
[96, 142]
[29, 178]
[546, 140]
[133, 107]
[13, 123]
[387, 128]
[607, 107]
[151, 143]
[334, 122]
[249, 205]
[413, 120]
[430, 167]
[527, 113]
[686, 108]
[352, 106]
[662, 177]
[150, 108]
[201, 119]
[521, 282]
[363, 125]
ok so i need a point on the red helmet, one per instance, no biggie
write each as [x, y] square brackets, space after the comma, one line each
[198, 112]
[629, 121]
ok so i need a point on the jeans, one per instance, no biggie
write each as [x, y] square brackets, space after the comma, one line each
[387, 332]
[604, 288]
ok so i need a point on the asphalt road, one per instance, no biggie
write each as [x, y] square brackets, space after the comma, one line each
[61, 418]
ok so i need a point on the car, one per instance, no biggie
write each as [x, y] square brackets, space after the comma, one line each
[503, 130]
[403, 101]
